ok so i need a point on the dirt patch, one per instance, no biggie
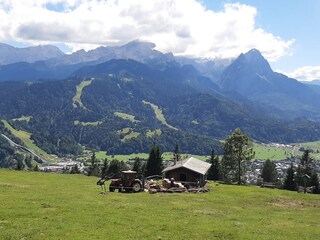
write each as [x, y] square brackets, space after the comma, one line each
[211, 212]
[287, 203]
[10, 185]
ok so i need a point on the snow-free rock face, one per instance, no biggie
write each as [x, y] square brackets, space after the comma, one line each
[9, 54]
[251, 76]
[249, 73]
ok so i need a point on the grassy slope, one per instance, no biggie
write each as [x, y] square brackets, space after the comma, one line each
[26, 139]
[271, 152]
[87, 123]
[159, 114]
[126, 116]
[77, 98]
[50, 206]
[23, 118]
[315, 146]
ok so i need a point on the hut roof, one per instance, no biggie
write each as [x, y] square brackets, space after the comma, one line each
[192, 164]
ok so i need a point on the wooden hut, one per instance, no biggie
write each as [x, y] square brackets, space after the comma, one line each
[190, 171]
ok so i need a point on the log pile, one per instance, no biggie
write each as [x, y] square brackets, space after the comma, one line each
[172, 187]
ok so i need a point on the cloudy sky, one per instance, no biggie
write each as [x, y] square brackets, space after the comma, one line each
[285, 31]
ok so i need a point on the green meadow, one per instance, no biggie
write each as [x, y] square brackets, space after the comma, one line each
[25, 137]
[272, 152]
[159, 114]
[79, 88]
[57, 206]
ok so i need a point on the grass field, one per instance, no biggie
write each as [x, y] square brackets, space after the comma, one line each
[125, 116]
[76, 122]
[26, 139]
[23, 118]
[151, 133]
[272, 152]
[159, 115]
[77, 98]
[52, 206]
[315, 146]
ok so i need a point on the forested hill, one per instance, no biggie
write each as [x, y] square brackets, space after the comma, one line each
[122, 106]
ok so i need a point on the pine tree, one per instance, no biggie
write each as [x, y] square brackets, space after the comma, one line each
[36, 168]
[104, 168]
[214, 172]
[20, 159]
[20, 165]
[28, 161]
[237, 150]
[289, 182]
[176, 154]
[137, 165]
[314, 182]
[305, 167]
[154, 164]
[305, 160]
[94, 169]
[116, 167]
[269, 172]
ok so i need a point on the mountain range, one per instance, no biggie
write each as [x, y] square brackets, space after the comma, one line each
[121, 99]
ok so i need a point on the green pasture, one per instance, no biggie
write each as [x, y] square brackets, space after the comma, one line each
[151, 133]
[311, 145]
[159, 114]
[272, 152]
[52, 206]
[315, 146]
[126, 116]
[79, 88]
[23, 118]
[76, 122]
[25, 137]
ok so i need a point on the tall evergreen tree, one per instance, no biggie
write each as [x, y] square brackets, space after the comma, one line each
[138, 166]
[154, 164]
[214, 172]
[269, 172]
[237, 150]
[20, 159]
[116, 167]
[289, 182]
[28, 161]
[36, 168]
[305, 160]
[314, 181]
[105, 167]
[176, 154]
[20, 165]
[94, 169]
[305, 167]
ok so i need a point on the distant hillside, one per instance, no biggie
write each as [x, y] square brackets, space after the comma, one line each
[121, 99]
[111, 114]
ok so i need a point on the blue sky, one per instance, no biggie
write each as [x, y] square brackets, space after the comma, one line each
[285, 31]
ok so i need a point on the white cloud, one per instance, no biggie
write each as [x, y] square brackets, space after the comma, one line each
[307, 73]
[184, 27]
